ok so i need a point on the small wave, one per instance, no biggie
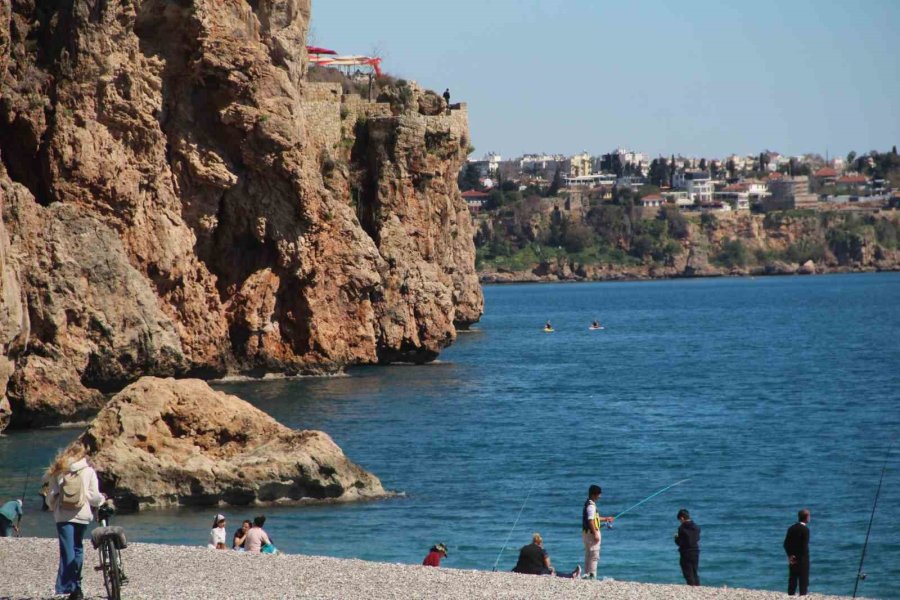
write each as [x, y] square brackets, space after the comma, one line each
[237, 378]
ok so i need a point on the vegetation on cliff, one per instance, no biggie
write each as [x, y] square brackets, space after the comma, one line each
[530, 234]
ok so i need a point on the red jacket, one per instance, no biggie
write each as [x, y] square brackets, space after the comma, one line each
[433, 559]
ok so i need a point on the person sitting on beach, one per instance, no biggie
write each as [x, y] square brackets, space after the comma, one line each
[534, 560]
[257, 537]
[237, 542]
[433, 559]
[217, 534]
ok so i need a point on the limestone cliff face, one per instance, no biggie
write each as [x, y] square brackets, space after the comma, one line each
[181, 201]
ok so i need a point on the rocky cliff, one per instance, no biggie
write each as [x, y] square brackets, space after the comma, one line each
[179, 200]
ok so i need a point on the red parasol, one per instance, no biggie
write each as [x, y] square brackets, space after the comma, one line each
[317, 50]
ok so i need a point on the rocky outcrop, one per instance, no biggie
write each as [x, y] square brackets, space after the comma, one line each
[95, 321]
[210, 211]
[167, 442]
[14, 325]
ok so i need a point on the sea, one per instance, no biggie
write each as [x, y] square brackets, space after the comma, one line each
[767, 394]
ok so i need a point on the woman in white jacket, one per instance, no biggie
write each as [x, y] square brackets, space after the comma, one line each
[74, 489]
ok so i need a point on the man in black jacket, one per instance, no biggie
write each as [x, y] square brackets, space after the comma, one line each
[796, 545]
[688, 540]
[534, 560]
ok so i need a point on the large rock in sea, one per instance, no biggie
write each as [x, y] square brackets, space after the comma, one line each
[167, 442]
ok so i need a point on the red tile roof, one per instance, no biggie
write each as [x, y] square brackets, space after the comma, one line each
[737, 187]
[473, 195]
[853, 179]
[825, 172]
[651, 197]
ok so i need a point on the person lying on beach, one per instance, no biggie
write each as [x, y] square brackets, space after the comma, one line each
[257, 537]
[237, 542]
[534, 560]
[433, 559]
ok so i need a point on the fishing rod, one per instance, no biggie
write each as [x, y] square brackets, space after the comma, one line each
[650, 497]
[516, 522]
[859, 574]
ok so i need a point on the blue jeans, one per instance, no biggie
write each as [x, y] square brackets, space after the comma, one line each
[71, 556]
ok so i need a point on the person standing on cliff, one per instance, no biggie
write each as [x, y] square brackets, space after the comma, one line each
[447, 99]
[796, 546]
[590, 531]
[688, 541]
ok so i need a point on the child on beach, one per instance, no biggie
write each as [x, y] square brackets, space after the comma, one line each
[217, 534]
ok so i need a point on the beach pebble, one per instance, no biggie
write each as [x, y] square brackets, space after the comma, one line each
[28, 570]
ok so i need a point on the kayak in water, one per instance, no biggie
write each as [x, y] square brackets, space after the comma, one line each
[592, 328]
[548, 330]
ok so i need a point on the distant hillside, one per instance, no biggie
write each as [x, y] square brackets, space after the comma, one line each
[537, 240]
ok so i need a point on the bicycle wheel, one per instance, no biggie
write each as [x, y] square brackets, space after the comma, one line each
[112, 574]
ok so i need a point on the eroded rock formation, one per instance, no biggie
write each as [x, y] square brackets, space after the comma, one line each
[180, 200]
[167, 442]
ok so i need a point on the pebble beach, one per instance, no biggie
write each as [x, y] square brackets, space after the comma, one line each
[28, 570]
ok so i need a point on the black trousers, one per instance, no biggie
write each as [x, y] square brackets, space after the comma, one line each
[690, 566]
[799, 573]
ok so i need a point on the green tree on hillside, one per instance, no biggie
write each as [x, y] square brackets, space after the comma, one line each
[730, 167]
[556, 184]
[468, 178]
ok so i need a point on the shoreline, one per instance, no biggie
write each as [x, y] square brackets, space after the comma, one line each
[647, 274]
[28, 570]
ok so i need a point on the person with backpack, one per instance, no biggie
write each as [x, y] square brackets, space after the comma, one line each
[74, 489]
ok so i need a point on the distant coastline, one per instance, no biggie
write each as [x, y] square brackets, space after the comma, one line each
[653, 274]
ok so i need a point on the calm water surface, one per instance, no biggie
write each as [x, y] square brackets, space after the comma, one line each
[770, 394]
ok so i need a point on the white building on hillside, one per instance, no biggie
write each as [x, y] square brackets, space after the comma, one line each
[697, 184]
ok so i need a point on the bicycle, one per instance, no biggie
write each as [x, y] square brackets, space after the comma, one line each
[110, 540]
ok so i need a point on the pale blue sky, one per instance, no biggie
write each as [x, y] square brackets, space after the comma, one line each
[690, 77]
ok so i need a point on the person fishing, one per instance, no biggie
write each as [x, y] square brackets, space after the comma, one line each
[688, 541]
[796, 546]
[590, 531]
[534, 560]
[10, 517]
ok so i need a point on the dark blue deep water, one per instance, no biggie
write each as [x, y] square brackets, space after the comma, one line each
[770, 394]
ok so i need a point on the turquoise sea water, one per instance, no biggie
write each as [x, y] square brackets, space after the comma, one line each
[770, 394]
